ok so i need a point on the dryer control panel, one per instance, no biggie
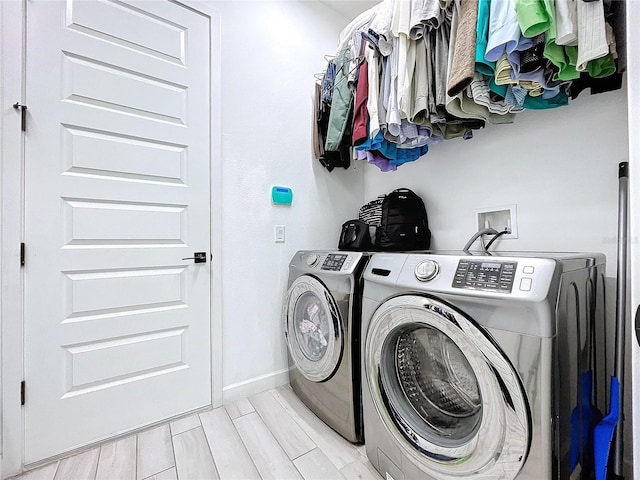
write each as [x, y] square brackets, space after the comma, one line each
[334, 262]
[329, 262]
[492, 275]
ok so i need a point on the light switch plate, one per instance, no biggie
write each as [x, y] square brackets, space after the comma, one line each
[279, 233]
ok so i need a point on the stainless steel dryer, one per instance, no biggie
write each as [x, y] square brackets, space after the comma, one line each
[322, 328]
[472, 364]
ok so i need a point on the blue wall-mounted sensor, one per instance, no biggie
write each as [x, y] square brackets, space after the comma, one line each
[281, 195]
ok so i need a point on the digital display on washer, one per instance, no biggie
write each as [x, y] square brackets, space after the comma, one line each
[490, 266]
[481, 275]
[334, 261]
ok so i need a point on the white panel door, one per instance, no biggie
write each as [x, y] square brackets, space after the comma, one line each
[117, 324]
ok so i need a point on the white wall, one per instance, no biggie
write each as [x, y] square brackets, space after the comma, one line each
[270, 52]
[558, 166]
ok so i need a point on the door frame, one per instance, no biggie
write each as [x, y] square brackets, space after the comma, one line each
[12, 89]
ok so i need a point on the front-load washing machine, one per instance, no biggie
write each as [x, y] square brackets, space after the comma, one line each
[473, 364]
[321, 313]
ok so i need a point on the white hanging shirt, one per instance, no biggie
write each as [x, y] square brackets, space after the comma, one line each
[504, 29]
[425, 15]
[592, 37]
[567, 22]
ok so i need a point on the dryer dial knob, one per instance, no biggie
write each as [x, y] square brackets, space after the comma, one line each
[427, 270]
[312, 259]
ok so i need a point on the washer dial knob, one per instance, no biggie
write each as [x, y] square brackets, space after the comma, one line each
[427, 270]
[312, 259]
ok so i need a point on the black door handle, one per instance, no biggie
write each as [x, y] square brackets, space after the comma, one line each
[198, 257]
[638, 324]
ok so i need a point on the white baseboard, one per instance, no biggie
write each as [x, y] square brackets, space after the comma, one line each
[236, 391]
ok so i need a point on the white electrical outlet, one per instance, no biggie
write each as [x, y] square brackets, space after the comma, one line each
[279, 233]
[499, 218]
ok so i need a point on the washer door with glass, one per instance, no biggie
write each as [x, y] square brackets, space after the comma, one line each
[313, 328]
[445, 392]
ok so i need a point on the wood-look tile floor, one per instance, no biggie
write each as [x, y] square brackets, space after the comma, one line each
[272, 435]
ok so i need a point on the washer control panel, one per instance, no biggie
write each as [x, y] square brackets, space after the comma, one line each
[491, 275]
[334, 262]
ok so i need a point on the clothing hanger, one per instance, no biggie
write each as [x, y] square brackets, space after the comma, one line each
[320, 75]
[359, 60]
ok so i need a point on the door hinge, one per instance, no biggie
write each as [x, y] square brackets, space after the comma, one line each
[22, 393]
[22, 254]
[23, 113]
